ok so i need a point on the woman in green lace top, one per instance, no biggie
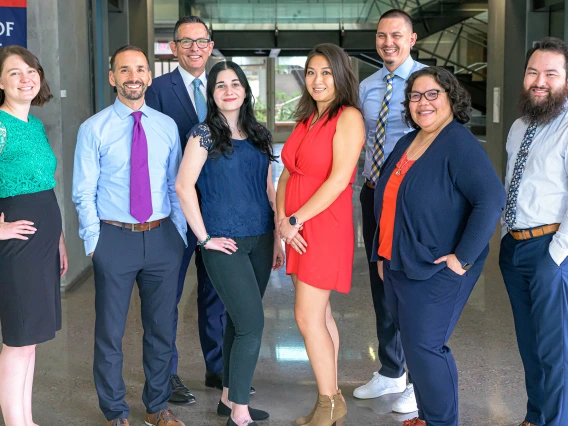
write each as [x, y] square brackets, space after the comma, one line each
[32, 248]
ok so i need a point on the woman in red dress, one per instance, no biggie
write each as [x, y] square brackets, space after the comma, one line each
[315, 213]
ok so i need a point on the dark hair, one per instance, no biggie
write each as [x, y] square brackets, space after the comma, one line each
[460, 100]
[44, 95]
[191, 19]
[550, 44]
[397, 13]
[344, 80]
[257, 134]
[126, 49]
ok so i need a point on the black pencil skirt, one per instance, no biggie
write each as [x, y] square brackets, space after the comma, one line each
[30, 299]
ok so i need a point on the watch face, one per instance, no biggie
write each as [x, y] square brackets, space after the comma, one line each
[293, 221]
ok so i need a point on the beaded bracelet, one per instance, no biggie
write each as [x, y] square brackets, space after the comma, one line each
[205, 241]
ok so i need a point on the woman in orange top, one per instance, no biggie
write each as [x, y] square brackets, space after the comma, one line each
[315, 213]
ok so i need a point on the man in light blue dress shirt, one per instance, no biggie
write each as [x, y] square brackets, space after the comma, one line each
[124, 250]
[395, 38]
[534, 237]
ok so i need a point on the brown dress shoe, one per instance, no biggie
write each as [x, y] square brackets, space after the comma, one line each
[414, 422]
[525, 423]
[118, 422]
[162, 418]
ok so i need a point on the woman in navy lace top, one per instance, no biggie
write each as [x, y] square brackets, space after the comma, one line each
[228, 158]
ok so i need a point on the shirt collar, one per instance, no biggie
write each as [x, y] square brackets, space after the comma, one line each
[403, 70]
[188, 78]
[124, 111]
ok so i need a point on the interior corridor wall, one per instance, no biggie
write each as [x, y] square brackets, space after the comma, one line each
[58, 35]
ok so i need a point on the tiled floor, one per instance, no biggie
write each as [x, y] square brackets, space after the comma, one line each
[491, 377]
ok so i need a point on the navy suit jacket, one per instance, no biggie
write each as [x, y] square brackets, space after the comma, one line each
[168, 95]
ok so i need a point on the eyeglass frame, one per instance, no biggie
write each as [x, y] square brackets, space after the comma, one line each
[193, 41]
[423, 94]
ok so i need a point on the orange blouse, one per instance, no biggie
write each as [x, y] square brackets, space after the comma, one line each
[386, 224]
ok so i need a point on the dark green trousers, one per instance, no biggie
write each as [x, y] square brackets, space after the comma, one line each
[240, 280]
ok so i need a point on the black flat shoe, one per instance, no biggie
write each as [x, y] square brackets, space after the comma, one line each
[215, 380]
[230, 422]
[224, 411]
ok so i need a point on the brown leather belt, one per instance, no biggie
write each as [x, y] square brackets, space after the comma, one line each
[369, 184]
[527, 234]
[137, 227]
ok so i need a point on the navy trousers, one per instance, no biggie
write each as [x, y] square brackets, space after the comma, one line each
[426, 313]
[391, 355]
[152, 259]
[538, 290]
[210, 311]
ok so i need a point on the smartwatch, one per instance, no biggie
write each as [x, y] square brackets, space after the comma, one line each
[294, 221]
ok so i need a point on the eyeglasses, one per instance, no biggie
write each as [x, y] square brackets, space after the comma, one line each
[430, 95]
[186, 43]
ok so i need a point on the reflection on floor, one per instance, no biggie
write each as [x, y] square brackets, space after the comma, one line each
[491, 378]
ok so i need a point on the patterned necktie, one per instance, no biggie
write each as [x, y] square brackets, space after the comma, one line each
[511, 207]
[140, 192]
[381, 135]
[199, 99]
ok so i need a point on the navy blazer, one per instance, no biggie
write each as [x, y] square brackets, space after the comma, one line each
[169, 95]
[449, 202]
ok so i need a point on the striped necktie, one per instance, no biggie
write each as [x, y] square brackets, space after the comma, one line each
[381, 134]
[513, 193]
[199, 99]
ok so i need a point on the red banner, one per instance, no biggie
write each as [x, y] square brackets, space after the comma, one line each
[13, 3]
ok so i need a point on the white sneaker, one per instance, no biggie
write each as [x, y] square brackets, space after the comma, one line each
[406, 403]
[379, 386]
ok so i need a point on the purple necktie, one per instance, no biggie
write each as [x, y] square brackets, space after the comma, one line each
[140, 192]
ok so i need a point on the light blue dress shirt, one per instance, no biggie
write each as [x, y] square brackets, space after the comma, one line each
[371, 94]
[101, 175]
[543, 191]
[188, 81]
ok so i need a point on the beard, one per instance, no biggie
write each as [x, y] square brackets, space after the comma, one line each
[131, 94]
[544, 111]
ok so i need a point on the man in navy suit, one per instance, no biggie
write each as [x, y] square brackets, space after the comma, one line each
[180, 94]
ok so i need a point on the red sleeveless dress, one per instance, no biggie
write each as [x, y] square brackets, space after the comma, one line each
[328, 261]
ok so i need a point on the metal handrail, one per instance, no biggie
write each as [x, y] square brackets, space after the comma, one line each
[447, 60]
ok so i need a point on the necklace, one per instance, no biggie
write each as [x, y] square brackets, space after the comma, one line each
[401, 166]
[236, 129]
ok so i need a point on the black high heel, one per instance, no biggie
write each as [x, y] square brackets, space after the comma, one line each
[230, 422]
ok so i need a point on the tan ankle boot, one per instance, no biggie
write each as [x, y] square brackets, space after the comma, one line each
[329, 411]
[300, 421]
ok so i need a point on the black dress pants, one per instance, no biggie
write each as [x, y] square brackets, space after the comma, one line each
[391, 354]
[152, 259]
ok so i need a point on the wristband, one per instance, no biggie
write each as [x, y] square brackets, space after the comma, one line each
[205, 241]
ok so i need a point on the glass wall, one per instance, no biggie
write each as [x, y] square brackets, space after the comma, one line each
[289, 83]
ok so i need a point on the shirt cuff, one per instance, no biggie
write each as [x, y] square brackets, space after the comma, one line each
[182, 229]
[557, 253]
[91, 244]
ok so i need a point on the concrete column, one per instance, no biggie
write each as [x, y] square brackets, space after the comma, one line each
[141, 26]
[100, 53]
[58, 35]
[270, 94]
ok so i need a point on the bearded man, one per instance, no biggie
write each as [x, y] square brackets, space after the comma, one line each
[534, 243]
[126, 162]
